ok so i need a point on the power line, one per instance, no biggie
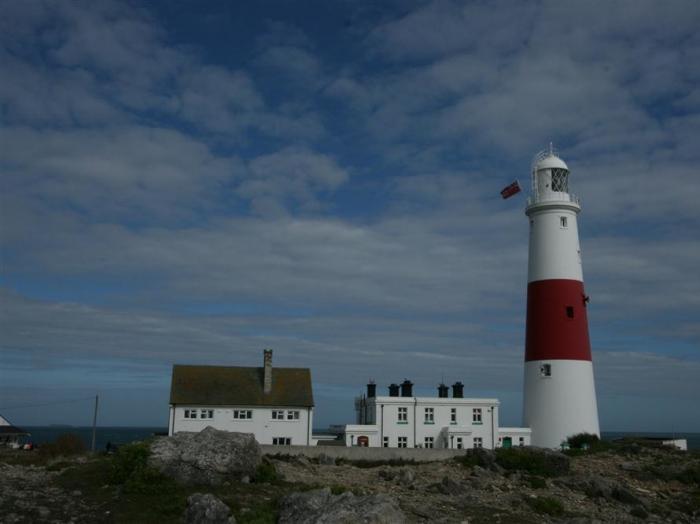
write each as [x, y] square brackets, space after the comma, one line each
[68, 401]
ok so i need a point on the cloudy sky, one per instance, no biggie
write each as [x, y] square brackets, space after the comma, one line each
[188, 182]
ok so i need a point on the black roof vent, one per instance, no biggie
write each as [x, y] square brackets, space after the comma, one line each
[371, 389]
[457, 390]
[407, 388]
[393, 390]
[443, 391]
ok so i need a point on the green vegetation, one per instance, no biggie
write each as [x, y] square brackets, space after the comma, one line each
[376, 463]
[536, 482]
[523, 459]
[67, 445]
[266, 473]
[547, 505]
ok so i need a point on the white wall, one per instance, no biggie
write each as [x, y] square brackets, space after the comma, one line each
[416, 429]
[560, 405]
[261, 425]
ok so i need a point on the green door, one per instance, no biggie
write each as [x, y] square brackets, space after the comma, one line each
[507, 442]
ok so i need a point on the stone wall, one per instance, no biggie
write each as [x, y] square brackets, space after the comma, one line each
[358, 453]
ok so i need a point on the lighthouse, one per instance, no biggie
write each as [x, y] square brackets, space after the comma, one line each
[559, 389]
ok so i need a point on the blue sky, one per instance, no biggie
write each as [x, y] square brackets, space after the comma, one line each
[188, 182]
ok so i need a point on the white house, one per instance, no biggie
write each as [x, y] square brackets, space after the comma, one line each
[275, 404]
[404, 421]
[10, 435]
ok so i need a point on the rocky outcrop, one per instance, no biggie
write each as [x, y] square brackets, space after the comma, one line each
[207, 509]
[321, 507]
[209, 457]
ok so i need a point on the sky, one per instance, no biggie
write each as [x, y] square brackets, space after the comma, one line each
[192, 182]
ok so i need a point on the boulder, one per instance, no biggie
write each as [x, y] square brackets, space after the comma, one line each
[209, 457]
[450, 486]
[321, 507]
[326, 460]
[406, 476]
[207, 509]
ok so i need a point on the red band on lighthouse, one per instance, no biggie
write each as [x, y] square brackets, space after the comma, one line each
[557, 325]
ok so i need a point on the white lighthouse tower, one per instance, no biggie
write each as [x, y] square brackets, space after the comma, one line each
[559, 396]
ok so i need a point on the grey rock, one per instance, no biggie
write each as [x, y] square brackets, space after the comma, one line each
[209, 457]
[630, 466]
[207, 509]
[405, 476]
[321, 507]
[326, 460]
[625, 496]
[599, 487]
[387, 474]
[450, 486]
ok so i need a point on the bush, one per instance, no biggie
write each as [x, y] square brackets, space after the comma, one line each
[690, 475]
[266, 473]
[535, 461]
[547, 505]
[537, 482]
[130, 469]
[583, 441]
[64, 446]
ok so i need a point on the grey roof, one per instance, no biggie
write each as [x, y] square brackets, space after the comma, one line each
[239, 386]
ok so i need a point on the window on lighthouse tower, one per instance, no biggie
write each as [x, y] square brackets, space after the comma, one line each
[560, 180]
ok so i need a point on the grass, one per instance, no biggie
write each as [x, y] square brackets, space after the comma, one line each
[547, 505]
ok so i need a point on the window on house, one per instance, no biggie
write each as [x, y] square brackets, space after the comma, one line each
[546, 370]
[403, 415]
[292, 415]
[569, 311]
[403, 442]
[476, 416]
[521, 441]
[478, 442]
[206, 413]
[281, 441]
[385, 443]
[190, 413]
[453, 415]
[563, 222]
[429, 415]
[242, 414]
[277, 414]
[429, 442]
[459, 443]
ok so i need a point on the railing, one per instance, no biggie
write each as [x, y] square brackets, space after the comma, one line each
[554, 196]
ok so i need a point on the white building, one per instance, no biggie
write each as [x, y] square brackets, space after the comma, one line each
[10, 435]
[275, 404]
[401, 420]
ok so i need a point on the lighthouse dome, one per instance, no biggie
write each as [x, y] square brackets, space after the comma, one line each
[551, 162]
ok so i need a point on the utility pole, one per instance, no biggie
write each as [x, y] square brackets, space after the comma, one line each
[94, 423]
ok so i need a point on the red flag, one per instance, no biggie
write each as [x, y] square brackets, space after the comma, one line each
[510, 190]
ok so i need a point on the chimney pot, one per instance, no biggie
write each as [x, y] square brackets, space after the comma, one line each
[371, 389]
[407, 388]
[267, 371]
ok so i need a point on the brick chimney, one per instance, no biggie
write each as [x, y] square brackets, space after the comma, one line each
[267, 371]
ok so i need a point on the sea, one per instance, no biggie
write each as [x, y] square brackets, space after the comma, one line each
[123, 435]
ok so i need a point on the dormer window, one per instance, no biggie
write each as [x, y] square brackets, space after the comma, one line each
[560, 180]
